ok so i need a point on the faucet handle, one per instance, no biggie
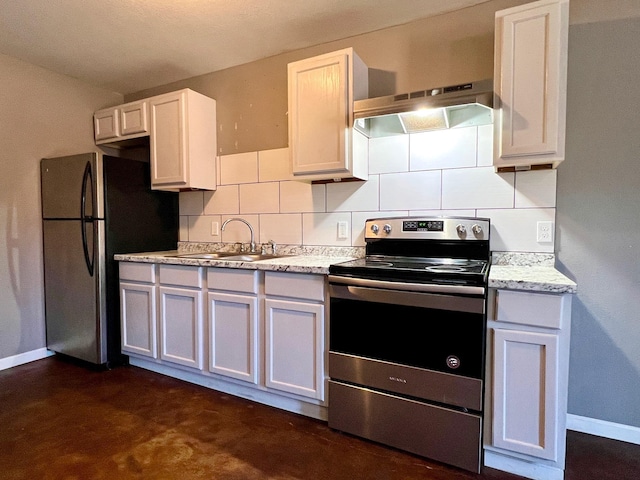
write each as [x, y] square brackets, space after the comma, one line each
[263, 248]
[273, 246]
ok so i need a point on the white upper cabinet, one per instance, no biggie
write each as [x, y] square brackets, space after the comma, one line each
[181, 127]
[183, 141]
[322, 90]
[121, 123]
[531, 84]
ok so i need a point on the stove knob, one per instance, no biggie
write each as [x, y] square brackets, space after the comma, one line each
[387, 228]
[375, 229]
[477, 230]
[462, 230]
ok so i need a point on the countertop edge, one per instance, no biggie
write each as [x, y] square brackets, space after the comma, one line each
[533, 278]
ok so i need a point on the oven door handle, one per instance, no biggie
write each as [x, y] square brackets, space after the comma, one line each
[406, 286]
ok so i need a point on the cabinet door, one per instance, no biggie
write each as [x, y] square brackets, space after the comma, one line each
[168, 139]
[181, 326]
[525, 392]
[295, 347]
[233, 331]
[106, 124]
[319, 107]
[138, 316]
[133, 118]
[530, 85]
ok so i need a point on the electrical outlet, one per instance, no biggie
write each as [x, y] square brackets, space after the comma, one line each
[545, 232]
[342, 230]
[215, 229]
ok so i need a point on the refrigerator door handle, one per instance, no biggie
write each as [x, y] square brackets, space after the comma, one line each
[86, 177]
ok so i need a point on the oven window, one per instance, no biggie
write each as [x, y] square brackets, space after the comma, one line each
[415, 336]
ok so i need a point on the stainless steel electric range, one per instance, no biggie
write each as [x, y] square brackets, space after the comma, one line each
[407, 337]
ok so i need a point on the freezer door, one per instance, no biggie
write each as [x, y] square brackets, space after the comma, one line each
[74, 293]
[72, 186]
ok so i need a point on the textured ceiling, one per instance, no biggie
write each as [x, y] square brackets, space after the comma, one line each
[130, 45]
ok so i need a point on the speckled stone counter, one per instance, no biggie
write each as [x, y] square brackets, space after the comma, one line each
[526, 271]
[513, 271]
[295, 264]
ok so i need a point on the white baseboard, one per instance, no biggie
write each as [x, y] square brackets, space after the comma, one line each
[601, 428]
[25, 357]
[535, 471]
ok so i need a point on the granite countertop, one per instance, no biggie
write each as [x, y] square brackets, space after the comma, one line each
[530, 272]
[295, 264]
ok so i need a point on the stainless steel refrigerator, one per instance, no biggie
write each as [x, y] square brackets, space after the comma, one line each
[93, 207]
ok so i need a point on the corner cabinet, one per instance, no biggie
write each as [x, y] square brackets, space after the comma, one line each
[530, 84]
[181, 131]
[183, 141]
[528, 354]
[322, 142]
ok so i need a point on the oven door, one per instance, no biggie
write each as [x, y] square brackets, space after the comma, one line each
[423, 345]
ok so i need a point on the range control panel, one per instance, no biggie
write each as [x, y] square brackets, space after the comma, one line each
[422, 226]
[436, 228]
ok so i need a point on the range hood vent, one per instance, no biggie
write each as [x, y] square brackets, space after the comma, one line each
[462, 105]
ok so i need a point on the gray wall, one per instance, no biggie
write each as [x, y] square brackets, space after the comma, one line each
[598, 218]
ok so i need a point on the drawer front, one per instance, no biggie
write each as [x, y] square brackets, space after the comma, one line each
[295, 285]
[535, 309]
[181, 275]
[138, 272]
[233, 280]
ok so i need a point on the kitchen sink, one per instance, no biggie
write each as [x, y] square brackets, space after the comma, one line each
[253, 257]
[232, 256]
[205, 256]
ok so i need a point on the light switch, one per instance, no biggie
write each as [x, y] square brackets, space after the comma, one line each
[215, 229]
[343, 234]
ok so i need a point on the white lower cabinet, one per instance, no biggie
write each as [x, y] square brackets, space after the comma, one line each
[138, 309]
[294, 360]
[527, 372]
[259, 335]
[181, 315]
[233, 323]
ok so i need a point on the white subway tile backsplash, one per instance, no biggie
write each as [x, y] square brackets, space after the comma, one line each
[536, 188]
[322, 228]
[354, 196]
[225, 200]
[260, 198]
[454, 148]
[485, 146]
[238, 231]
[200, 228]
[190, 203]
[477, 188]
[410, 191]
[273, 165]
[285, 228]
[300, 197]
[451, 174]
[515, 230]
[358, 220]
[183, 228]
[389, 154]
[442, 213]
[239, 168]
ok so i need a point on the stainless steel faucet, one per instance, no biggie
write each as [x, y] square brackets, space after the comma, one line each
[252, 244]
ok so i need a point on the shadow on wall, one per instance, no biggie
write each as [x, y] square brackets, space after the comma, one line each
[596, 362]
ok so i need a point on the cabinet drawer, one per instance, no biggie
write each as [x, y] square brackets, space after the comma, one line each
[233, 279]
[138, 272]
[295, 285]
[526, 308]
[180, 275]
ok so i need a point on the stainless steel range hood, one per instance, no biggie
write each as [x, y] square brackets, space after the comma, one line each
[437, 108]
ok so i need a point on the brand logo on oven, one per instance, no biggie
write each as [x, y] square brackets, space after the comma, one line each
[396, 379]
[453, 361]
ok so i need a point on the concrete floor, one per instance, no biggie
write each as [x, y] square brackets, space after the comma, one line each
[62, 421]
